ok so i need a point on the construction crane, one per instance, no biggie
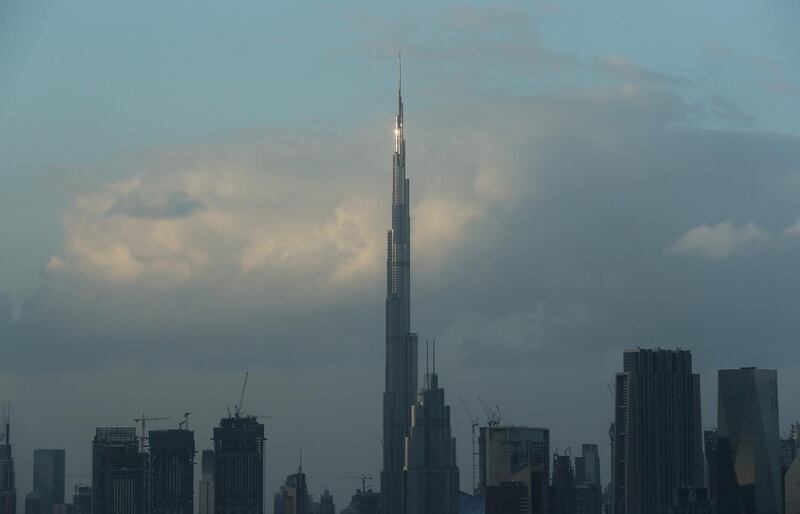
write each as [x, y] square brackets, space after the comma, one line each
[184, 425]
[493, 418]
[475, 452]
[237, 409]
[143, 420]
[363, 479]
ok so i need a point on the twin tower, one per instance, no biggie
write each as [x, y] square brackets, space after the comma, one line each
[419, 465]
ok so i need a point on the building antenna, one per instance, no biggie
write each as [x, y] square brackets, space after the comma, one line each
[427, 358]
[434, 356]
[399, 71]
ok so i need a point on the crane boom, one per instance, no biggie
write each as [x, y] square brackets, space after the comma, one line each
[241, 398]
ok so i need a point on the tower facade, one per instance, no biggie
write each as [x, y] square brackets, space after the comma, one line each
[206, 489]
[401, 343]
[119, 472]
[747, 416]
[8, 488]
[48, 477]
[171, 471]
[431, 479]
[657, 436]
[239, 466]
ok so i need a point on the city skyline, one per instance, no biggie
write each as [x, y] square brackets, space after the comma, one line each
[202, 192]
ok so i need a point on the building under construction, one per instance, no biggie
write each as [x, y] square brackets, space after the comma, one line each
[239, 465]
[119, 472]
[171, 471]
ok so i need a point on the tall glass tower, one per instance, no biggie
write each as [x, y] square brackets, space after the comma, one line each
[401, 344]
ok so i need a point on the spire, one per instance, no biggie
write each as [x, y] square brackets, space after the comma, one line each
[399, 125]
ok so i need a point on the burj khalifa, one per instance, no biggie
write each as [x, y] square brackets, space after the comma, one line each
[401, 343]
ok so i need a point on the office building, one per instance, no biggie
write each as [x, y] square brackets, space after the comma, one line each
[326, 505]
[514, 454]
[747, 415]
[34, 503]
[723, 491]
[431, 479]
[401, 343]
[63, 508]
[119, 472]
[690, 500]
[48, 477]
[657, 434]
[364, 502]
[205, 494]
[239, 466]
[8, 488]
[588, 487]
[171, 471]
[562, 488]
[293, 498]
[82, 500]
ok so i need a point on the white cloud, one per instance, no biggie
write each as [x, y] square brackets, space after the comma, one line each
[717, 241]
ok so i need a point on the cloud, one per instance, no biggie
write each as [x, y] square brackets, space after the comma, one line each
[717, 241]
[136, 204]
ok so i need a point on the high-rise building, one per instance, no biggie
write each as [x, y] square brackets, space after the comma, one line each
[326, 505]
[119, 472]
[747, 415]
[206, 490]
[723, 491]
[34, 503]
[562, 488]
[363, 502]
[82, 500]
[512, 457]
[401, 343]
[8, 488]
[48, 477]
[658, 438]
[239, 466]
[171, 471]
[588, 487]
[431, 479]
[292, 498]
[690, 500]
[63, 508]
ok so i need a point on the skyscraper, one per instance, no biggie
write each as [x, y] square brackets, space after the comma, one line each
[119, 472]
[48, 477]
[588, 488]
[747, 415]
[82, 500]
[8, 488]
[239, 466]
[431, 480]
[171, 471]
[514, 468]
[206, 489]
[658, 441]
[562, 489]
[401, 343]
[326, 505]
[292, 498]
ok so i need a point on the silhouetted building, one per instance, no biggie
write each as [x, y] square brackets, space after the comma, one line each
[723, 491]
[562, 488]
[292, 498]
[431, 474]
[787, 451]
[364, 502]
[63, 508]
[239, 466]
[82, 500]
[471, 503]
[326, 505]
[690, 500]
[34, 503]
[171, 471]
[657, 436]
[206, 489]
[747, 415]
[792, 484]
[48, 477]
[401, 343]
[588, 488]
[119, 472]
[514, 454]
[508, 498]
[8, 488]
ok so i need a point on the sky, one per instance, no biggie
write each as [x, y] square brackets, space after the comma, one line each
[190, 190]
